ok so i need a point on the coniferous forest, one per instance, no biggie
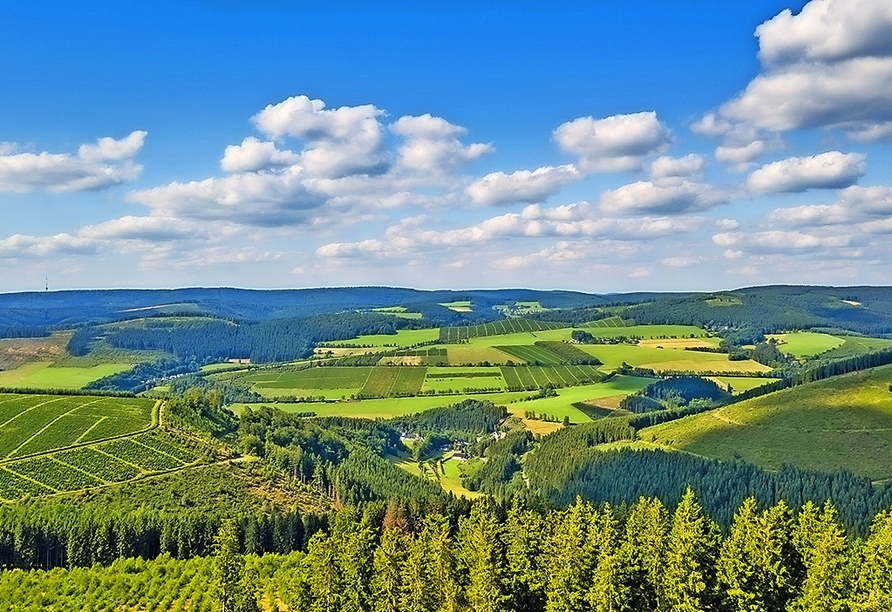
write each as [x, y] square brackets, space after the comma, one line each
[271, 509]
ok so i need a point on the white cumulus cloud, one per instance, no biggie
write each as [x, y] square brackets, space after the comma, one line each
[96, 166]
[432, 145]
[667, 170]
[338, 142]
[265, 199]
[831, 170]
[529, 186]
[615, 143]
[741, 142]
[253, 154]
[648, 197]
[828, 66]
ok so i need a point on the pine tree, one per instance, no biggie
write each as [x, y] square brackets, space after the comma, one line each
[322, 574]
[822, 543]
[418, 592]
[387, 579]
[233, 590]
[757, 562]
[608, 591]
[569, 558]
[525, 534]
[689, 579]
[354, 541]
[643, 551]
[873, 585]
[444, 573]
[483, 553]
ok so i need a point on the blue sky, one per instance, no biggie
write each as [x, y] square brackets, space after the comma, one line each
[605, 146]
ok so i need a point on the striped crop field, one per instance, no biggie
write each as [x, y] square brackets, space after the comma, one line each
[608, 322]
[532, 378]
[454, 335]
[409, 381]
[530, 354]
[311, 378]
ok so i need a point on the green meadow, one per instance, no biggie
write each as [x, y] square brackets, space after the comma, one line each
[843, 422]
[402, 338]
[802, 344]
[44, 375]
[677, 359]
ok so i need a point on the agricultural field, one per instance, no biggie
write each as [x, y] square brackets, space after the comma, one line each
[563, 404]
[441, 469]
[803, 344]
[45, 375]
[401, 339]
[458, 305]
[531, 378]
[445, 379]
[854, 345]
[451, 335]
[608, 322]
[843, 422]
[469, 354]
[51, 444]
[331, 383]
[557, 406]
[668, 359]
[739, 384]
[398, 311]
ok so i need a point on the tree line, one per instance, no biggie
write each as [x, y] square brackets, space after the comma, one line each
[589, 557]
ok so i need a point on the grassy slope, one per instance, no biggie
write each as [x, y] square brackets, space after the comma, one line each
[840, 423]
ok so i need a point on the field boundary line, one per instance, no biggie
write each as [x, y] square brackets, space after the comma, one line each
[30, 408]
[77, 469]
[45, 427]
[139, 468]
[161, 452]
[91, 428]
[37, 482]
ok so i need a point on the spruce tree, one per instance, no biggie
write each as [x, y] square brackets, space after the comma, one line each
[757, 562]
[873, 584]
[822, 543]
[689, 579]
[608, 591]
[484, 556]
[569, 558]
[525, 534]
[643, 552]
[323, 575]
[387, 578]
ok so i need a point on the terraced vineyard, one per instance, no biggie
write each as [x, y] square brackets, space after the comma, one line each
[50, 444]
